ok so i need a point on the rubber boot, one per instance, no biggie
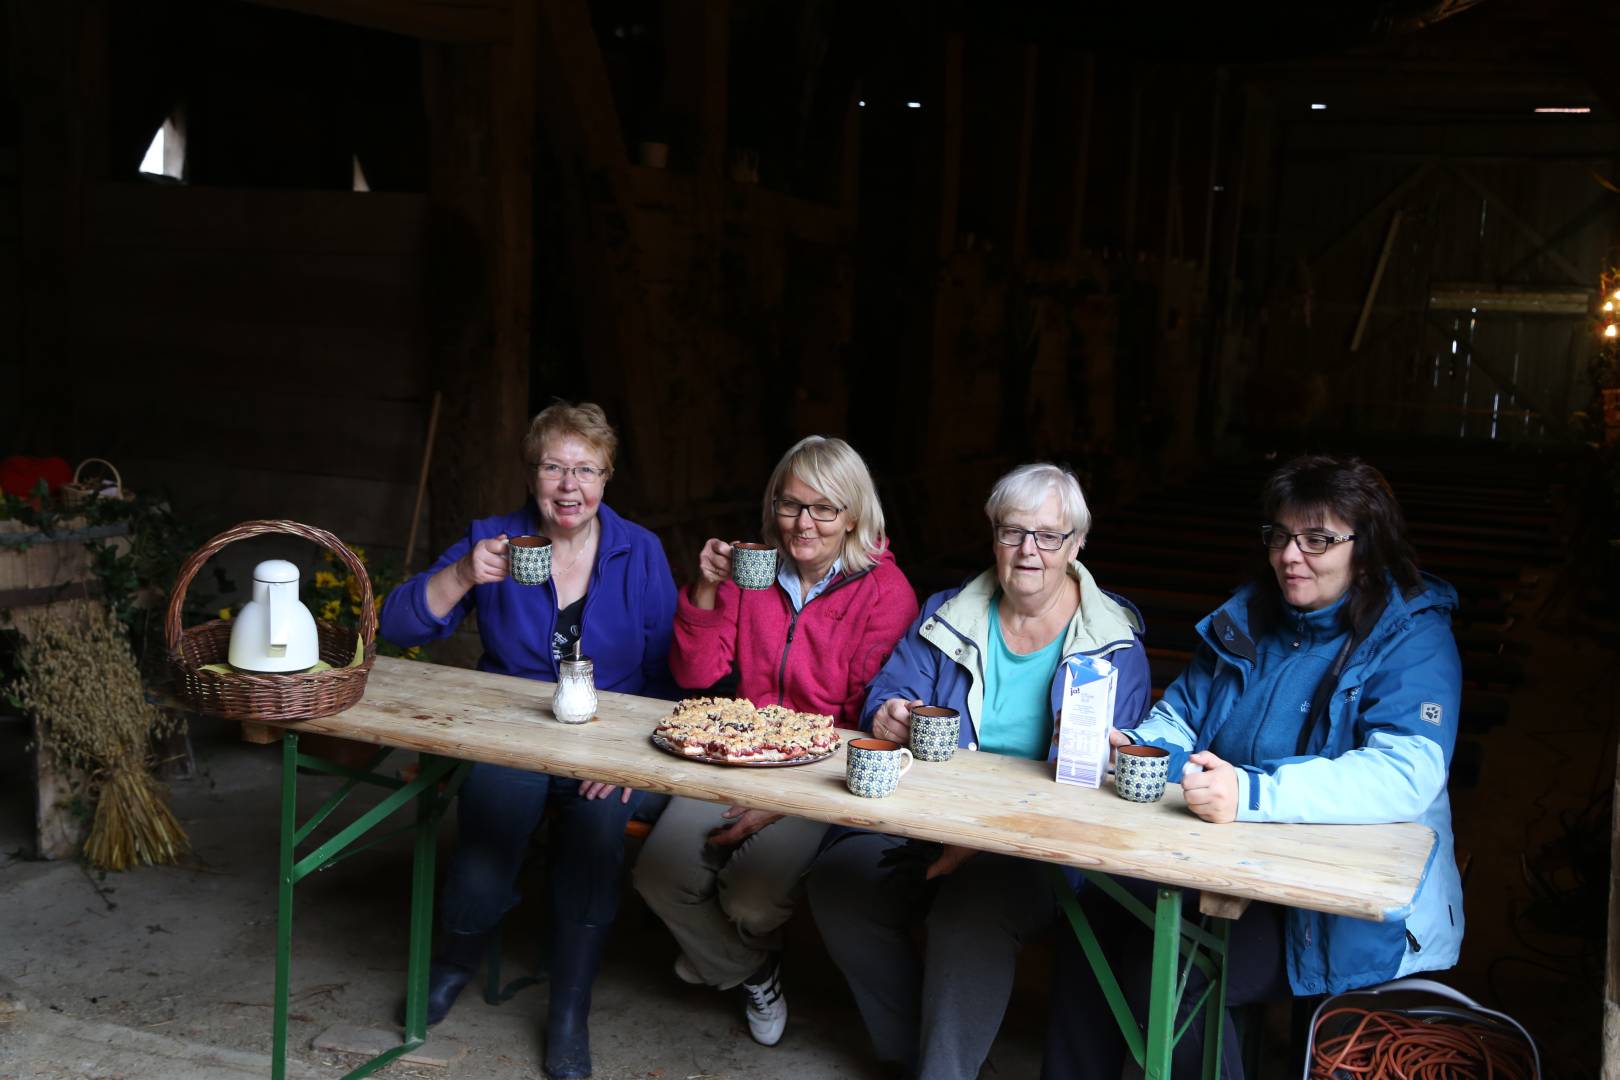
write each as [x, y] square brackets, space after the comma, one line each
[455, 962]
[576, 957]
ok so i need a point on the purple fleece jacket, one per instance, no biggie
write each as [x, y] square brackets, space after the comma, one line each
[625, 628]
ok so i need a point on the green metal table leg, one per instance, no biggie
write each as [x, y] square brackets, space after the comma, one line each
[1215, 1007]
[284, 900]
[427, 820]
[1162, 997]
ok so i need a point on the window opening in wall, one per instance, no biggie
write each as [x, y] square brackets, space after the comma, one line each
[166, 153]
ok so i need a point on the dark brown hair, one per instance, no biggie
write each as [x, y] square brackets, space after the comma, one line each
[1311, 487]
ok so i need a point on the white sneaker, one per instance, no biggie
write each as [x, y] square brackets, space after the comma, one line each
[767, 1008]
[686, 972]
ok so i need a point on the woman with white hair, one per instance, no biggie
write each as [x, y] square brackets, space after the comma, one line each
[994, 650]
[724, 882]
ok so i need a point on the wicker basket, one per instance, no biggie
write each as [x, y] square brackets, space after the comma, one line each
[283, 698]
[78, 492]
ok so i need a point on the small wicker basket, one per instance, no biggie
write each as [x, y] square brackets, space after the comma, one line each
[279, 698]
[78, 492]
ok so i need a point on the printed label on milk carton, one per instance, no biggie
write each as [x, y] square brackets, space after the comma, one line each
[1085, 719]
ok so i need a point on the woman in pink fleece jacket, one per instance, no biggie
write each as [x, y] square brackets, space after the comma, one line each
[724, 882]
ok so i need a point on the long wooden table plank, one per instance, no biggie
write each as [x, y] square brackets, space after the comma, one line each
[985, 801]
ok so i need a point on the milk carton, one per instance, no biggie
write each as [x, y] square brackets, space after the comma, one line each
[1085, 719]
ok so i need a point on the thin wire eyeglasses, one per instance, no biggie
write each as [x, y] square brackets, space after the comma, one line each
[792, 508]
[1012, 536]
[585, 475]
[1311, 541]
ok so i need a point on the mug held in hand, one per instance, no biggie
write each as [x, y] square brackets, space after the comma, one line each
[529, 559]
[935, 731]
[753, 566]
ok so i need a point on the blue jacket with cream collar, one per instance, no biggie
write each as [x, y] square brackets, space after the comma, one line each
[1382, 755]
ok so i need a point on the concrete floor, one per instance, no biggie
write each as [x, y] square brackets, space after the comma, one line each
[167, 972]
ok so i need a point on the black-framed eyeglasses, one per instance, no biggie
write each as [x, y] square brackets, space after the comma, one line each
[586, 475]
[1311, 541]
[792, 508]
[1012, 536]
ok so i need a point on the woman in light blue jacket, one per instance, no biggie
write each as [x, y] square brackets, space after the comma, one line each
[1325, 692]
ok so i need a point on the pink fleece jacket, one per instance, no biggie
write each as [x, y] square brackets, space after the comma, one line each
[816, 660]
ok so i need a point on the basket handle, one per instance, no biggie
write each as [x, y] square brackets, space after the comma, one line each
[117, 479]
[177, 596]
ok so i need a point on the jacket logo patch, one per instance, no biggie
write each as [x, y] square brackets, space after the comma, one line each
[1431, 712]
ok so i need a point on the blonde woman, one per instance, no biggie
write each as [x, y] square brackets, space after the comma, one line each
[725, 881]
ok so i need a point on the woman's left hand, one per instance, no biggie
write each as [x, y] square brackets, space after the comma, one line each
[949, 860]
[596, 789]
[1211, 794]
[744, 823]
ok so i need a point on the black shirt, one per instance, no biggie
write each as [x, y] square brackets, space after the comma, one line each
[567, 630]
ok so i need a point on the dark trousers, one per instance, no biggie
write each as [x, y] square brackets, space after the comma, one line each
[498, 812]
[1083, 1040]
[934, 1011]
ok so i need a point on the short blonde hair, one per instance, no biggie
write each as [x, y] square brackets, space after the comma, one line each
[562, 419]
[832, 467]
[1026, 487]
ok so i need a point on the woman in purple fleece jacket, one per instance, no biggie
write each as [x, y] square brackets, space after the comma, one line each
[610, 591]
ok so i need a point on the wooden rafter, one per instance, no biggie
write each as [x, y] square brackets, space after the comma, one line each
[462, 21]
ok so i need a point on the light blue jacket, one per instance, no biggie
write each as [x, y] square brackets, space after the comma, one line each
[1382, 756]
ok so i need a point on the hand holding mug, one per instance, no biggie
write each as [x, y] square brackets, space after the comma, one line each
[1211, 794]
[485, 563]
[714, 562]
[892, 721]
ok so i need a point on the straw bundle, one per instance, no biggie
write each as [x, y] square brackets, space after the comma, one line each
[81, 684]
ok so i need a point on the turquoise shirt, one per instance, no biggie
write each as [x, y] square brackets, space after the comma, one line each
[1017, 717]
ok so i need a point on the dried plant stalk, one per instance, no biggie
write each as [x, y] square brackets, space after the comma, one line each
[82, 686]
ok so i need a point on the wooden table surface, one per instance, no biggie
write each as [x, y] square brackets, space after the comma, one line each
[984, 801]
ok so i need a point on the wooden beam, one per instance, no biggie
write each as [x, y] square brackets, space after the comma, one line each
[1542, 247]
[1028, 67]
[1132, 166]
[1377, 279]
[1390, 199]
[1216, 129]
[1510, 299]
[849, 158]
[1085, 96]
[458, 21]
[950, 155]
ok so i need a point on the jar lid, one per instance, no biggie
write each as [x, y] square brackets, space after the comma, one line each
[576, 666]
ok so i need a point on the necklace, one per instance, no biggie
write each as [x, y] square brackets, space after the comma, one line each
[581, 549]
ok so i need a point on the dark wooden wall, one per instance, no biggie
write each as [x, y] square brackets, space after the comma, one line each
[1112, 257]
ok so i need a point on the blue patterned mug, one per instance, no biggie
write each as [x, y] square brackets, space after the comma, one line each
[935, 731]
[529, 559]
[874, 767]
[1140, 772]
[753, 566]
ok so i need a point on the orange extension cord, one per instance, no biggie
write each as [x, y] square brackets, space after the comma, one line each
[1394, 1046]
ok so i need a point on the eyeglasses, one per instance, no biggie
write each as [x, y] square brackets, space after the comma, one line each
[792, 508]
[1013, 536]
[1311, 541]
[586, 475]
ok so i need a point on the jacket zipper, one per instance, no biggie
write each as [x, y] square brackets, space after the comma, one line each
[793, 625]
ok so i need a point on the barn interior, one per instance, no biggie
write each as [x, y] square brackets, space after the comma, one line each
[322, 261]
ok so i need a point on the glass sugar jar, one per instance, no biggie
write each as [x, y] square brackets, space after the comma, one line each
[575, 700]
